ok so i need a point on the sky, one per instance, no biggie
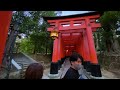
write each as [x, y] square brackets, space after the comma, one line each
[64, 13]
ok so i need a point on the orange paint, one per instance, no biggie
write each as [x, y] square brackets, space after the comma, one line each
[59, 47]
[55, 51]
[93, 55]
[5, 19]
[86, 48]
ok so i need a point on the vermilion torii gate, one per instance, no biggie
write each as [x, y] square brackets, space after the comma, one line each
[5, 19]
[75, 34]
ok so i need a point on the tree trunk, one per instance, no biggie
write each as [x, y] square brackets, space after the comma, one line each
[115, 44]
[94, 35]
[108, 45]
[46, 48]
[34, 51]
[46, 51]
[97, 42]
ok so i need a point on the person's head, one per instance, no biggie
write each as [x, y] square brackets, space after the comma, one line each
[76, 61]
[34, 71]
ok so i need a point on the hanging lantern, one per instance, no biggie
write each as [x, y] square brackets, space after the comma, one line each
[54, 34]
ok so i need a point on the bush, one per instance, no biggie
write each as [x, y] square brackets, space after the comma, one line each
[26, 46]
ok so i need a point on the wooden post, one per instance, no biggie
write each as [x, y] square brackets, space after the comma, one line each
[93, 55]
[5, 19]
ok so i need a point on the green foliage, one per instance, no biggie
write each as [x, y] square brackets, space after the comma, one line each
[35, 29]
[109, 24]
[26, 46]
[38, 40]
[30, 20]
[102, 40]
[109, 20]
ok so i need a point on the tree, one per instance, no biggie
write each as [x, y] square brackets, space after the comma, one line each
[40, 32]
[109, 24]
[34, 27]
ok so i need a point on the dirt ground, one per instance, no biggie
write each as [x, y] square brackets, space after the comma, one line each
[105, 73]
[110, 74]
[46, 61]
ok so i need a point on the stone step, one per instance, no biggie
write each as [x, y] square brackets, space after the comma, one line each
[22, 63]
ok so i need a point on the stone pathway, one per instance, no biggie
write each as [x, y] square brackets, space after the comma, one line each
[62, 71]
[108, 75]
[25, 60]
[105, 74]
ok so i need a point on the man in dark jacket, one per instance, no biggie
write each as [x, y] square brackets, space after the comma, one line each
[76, 63]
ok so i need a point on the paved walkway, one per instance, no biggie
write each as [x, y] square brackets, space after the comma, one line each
[64, 68]
[66, 65]
[26, 60]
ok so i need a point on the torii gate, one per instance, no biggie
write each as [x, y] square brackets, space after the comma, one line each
[75, 34]
[5, 19]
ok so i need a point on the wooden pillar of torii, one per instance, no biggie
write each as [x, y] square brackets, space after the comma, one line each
[5, 19]
[75, 34]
